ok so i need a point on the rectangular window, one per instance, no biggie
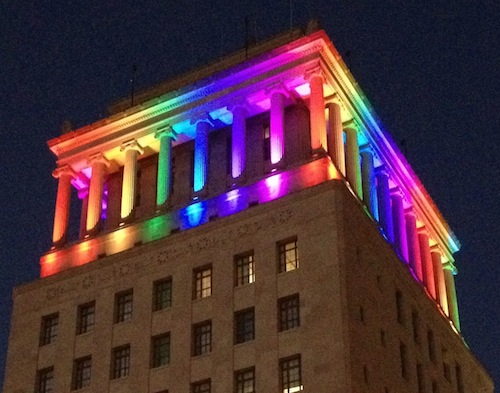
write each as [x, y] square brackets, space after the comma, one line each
[289, 312]
[202, 278]
[202, 338]
[45, 381]
[160, 350]
[245, 381]
[288, 255]
[245, 269]
[416, 326]
[162, 294]
[121, 362]
[201, 387]
[403, 354]
[86, 318]
[123, 306]
[290, 376]
[244, 326]
[49, 329]
[420, 378]
[460, 381]
[432, 345]
[81, 373]
[399, 306]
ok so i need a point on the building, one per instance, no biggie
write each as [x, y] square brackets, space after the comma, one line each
[245, 227]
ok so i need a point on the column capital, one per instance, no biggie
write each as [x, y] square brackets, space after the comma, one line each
[63, 170]
[437, 248]
[410, 212]
[334, 99]
[382, 171]
[239, 103]
[351, 125]
[277, 87]
[450, 266]
[131, 145]
[423, 230]
[313, 72]
[166, 130]
[397, 192]
[98, 158]
[202, 118]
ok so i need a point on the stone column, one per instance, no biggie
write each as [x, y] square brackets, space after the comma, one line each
[99, 164]
[353, 161]
[451, 294]
[317, 110]
[427, 264]
[368, 182]
[413, 244]
[61, 215]
[398, 216]
[440, 280]
[238, 140]
[336, 136]
[83, 195]
[129, 185]
[384, 204]
[164, 176]
[277, 127]
[201, 154]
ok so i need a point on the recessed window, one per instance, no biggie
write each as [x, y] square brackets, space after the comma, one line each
[244, 326]
[245, 381]
[431, 345]
[160, 350]
[49, 329]
[202, 338]
[435, 387]
[416, 326]
[45, 381]
[201, 387]
[245, 269]
[288, 255]
[289, 312]
[82, 369]
[460, 381]
[162, 294]
[420, 378]
[121, 362]
[202, 278]
[86, 318]
[123, 306]
[403, 354]
[290, 375]
[399, 307]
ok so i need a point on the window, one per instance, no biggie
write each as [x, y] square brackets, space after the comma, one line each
[404, 360]
[288, 255]
[245, 381]
[201, 387]
[435, 387]
[244, 326]
[399, 306]
[123, 306]
[45, 380]
[290, 378]
[162, 294]
[245, 269]
[266, 143]
[121, 362]
[81, 373]
[420, 378]
[416, 326]
[202, 282]
[160, 350]
[432, 345]
[289, 314]
[86, 318]
[460, 381]
[48, 331]
[202, 338]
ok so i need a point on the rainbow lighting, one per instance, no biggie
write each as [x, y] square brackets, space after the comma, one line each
[291, 117]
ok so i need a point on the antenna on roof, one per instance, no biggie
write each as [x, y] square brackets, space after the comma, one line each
[132, 83]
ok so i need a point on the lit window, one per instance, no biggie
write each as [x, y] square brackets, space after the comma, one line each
[49, 328]
[121, 362]
[160, 350]
[245, 269]
[289, 312]
[244, 326]
[162, 294]
[202, 282]
[245, 381]
[201, 387]
[202, 338]
[123, 306]
[45, 380]
[288, 255]
[290, 378]
[81, 373]
[86, 318]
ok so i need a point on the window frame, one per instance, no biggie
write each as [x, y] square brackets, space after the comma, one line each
[82, 373]
[120, 365]
[86, 318]
[45, 380]
[202, 338]
[284, 265]
[289, 312]
[200, 289]
[162, 287]
[122, 300]
[49, 329]
[287, 368]
[244, 268]
[158, 358]
[196, 387]
[241, 378]
[244, 325]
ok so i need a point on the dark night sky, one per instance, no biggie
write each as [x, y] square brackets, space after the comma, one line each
[429, 68]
